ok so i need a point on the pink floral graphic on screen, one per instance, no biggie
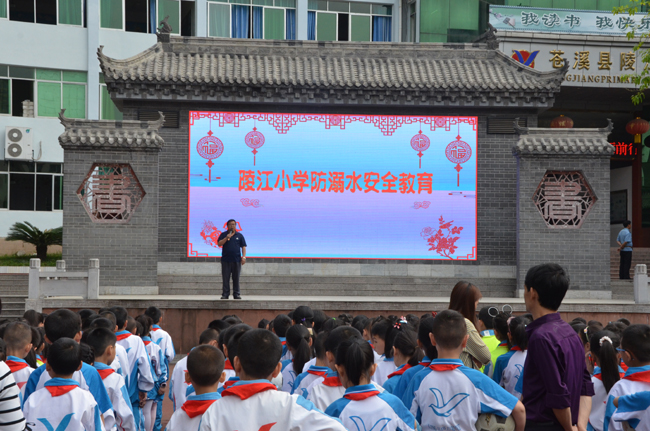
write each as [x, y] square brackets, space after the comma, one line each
[210, 233]
[444, 239]
[255, 203]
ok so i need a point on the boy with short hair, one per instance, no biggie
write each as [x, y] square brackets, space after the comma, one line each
[254, 403]
[102, 341]
[61, 403]
[204, 372]
[64, 323]
[18, 339]
[635, 344]
[449, 395]
[232, 336]
[164, 341]
[121, 365]
[140, 380]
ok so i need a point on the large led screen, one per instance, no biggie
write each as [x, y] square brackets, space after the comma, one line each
[334, 186]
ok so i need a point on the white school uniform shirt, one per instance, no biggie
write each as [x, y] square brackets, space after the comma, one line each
[158, 365]
[636, 379]
[164, 341]
[305, 367]
[286, 353]
[178, 387]
[449, 395]
[635, 410]
[253, 405]
[188, 417]
[88, 379]
[121, 364]
[11, 416]
[288, 376]
[508, 370]
[364, 408]
[385, 367]
[62, 405]
[116, 388]
[306, 378]
[140, 377]
[324, 391]
[21, 372]
[598, 401]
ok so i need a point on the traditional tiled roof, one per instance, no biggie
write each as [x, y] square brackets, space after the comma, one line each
[537, 141]
[247, 70]
[131, 135]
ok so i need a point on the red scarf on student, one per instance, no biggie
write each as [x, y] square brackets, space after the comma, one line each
[400, 371]
[195, 408]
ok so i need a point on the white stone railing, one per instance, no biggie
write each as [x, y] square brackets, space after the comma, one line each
[641, 292]
[49, 284]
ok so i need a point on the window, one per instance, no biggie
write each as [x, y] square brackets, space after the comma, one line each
[342, 21]
[409, 23]
[28, 186]
[70, 12]
[136, 16]
[188, 27]
[3, 10]
[108, 110]
[253, 19]
[39, 11]
[171, 8]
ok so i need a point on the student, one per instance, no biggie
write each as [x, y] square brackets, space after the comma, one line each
[204, 372]
[318, 370]
[61, 403]
[38, 345]
[383, 334]
[121, 362]
[633, 409]
[299, 344]
[102, 342]
[485, 326]
[64, 323]
[178, 385]
[501, 334]
[231, 350]
[509, 367]
[303, 315]
[406, 354]
[424, 343]
[158, 368]
[140, 380]
[607, 372]
[254, 403]
[164, 340]
[18, 341]
[11, 415]
[636, 354]
[437, 396]
[281, 325]
[363, 407]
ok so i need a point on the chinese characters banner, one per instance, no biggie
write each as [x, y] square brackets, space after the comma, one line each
[334, 186]
[566, 21]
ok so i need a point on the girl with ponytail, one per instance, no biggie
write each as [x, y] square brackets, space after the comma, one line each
[299, 344]
[607, 372]
[509, 367]
[362, 405]
[406, 354]
[383, 334]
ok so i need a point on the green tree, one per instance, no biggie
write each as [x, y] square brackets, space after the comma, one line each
[30, 234]
[642, 76]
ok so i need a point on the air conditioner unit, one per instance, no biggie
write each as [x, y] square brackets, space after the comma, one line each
[18, 143]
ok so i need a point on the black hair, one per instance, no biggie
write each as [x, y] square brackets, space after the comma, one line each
[605, 351]
[231, 340]
[37, 341]
[281, 323]
[303, 315]
[550, 282]
[232, 319]
[3, 350]
[449, 329]
[131, 324]
[624, 321]
[580, 319]
[121, 316]
[406, 342]
[517, 328]
[64, 355]
[330, 324]
[484, 316]
[17, 335]
[579, 328]
[298, 337]
[616, 327]
[46, 345]
[636, 340]
[501, 325]
[319, 318]
[154, 313]
[85, 313]
[290, 314]
[110, 316]
[33, 317]
[319, 345]
[259, 352]
[62, 323]
[356, 356]
[386, 328]
[360, 323]
[219, 325]
[626, 223]
[99, 339]
[208, 335]
[426, 325]
[87, 322]
[205, 365]
[262, 324]
[232, 219]
[87, 354]
[590, 329]
[413, 320]
[346, 318]
[102, 322]
[338, 336]
[146, 322]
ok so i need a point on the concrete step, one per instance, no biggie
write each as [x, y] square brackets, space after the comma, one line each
[639, 256]
[622, 289]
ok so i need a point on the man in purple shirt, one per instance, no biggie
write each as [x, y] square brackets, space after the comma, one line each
[557, 387]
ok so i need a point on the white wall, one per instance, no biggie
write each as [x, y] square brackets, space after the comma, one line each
[46, 133]
[621, 179]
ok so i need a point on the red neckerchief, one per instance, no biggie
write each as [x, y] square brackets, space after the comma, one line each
[154, 329]
[123, 336]
[516, 349]
[15, 365]
[146, 343]
[195, 408]
[503, 344]
[317, 373]
[60, 390]
[425, 364]
[332, 381]
[400, 371]
[105, 372]
[359, 396]
[642, 376]
[443, 367]
[228, 365]
[246, 391]
[622, 365]
[229, 383]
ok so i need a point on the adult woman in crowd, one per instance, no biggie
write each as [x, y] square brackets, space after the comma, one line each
[464, 299]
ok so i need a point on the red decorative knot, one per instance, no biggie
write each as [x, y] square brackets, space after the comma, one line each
[209, 147]
[228, 117]
[335, 120]
[458, 152]
[254, 140]
[420, 143]
[440, 121]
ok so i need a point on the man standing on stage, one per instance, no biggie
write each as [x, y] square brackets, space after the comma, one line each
[231, 259]
[624, 241]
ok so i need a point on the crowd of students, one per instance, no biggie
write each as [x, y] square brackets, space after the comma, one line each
[306, 371]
